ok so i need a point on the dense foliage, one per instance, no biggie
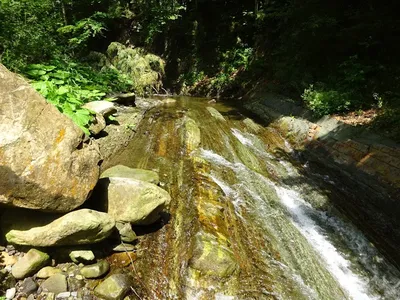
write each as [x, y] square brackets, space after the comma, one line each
[334, 56]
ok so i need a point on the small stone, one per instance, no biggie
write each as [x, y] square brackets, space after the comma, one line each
[82, 256]
[48, 296]
[122, 259]
[2, 248]
[96, 270]
[10, 293]
[105, 108]
[55, 284]
[47, 272]
[74, 294]
[98, 124]
[30, 263]
[30, 297]
[169, 101]
[125, 231]
[63, 295]
[79, 277]
[75, 284]
[28, 286]
[124, 247]
[114, 287]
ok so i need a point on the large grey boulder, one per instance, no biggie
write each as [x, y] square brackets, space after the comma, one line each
[130, 200]
[32, 261]
[126, 172]
[79, 227]
[44, 162]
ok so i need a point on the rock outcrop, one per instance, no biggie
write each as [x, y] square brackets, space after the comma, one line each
[44, 162]
[79, 227]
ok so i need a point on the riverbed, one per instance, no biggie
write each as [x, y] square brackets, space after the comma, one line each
[245, 222]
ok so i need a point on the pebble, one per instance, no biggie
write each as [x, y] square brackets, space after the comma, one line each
[28, 286]
[63, 295]
[10, 293]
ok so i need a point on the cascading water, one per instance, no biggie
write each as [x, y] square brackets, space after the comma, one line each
[244, 222]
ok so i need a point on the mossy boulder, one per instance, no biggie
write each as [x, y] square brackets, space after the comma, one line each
[144, 69]
[131, 201]
[126, 172]
[79, 227]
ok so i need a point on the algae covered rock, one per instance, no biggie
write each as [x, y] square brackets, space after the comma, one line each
[47, 272]
[143, 68]
[212, 257]
[126, 172]
[114, 287]
[96, 270]
[79, 227]
[44, 162]
[32, 261]
[82, 256]
[191, 134]
[55, 284]
[130, 200]
[126, 232]
[215, 113]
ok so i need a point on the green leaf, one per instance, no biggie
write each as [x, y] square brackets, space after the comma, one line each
[62, 90]
[36, 73]
[58, 81]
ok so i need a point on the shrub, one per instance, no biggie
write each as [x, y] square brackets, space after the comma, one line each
[324, 102]
[69, 85]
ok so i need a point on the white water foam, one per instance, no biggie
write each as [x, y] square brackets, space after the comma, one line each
[339, 267]
[355, 285]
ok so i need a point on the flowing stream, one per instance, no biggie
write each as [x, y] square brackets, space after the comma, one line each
[245, 221]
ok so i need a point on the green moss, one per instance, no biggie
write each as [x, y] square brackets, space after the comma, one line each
[144, 69]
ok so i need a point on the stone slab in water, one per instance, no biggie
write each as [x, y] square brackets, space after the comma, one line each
[30, 263]
[79, 227]
[212, 258]
[44, 162]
